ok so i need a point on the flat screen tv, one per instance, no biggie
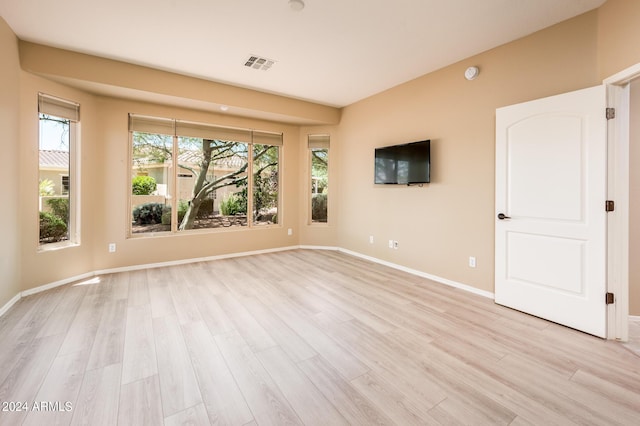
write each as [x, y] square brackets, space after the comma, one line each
[407, 164]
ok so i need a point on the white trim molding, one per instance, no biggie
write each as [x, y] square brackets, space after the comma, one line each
[9, 304]
[618, 97]
[435, 278]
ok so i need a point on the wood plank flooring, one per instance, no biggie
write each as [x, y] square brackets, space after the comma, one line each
[299, 337]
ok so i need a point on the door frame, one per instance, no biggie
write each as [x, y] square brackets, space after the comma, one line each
[618, 140]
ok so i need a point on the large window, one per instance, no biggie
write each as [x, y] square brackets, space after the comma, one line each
[58, 172]
[319, 159]
[210, 179]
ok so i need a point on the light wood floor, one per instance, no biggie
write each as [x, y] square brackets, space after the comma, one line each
[300, 337]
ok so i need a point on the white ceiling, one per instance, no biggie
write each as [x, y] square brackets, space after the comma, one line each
[333, 52]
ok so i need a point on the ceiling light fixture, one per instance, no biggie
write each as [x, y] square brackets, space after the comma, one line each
[296, 5]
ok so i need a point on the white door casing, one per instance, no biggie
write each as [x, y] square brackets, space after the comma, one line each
[551, 166]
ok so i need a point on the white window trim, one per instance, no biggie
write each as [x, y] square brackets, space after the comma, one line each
[74, 192]
[317, 141]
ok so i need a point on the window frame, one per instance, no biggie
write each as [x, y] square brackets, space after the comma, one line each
[182, 128]
[68, 110]
[316, 142]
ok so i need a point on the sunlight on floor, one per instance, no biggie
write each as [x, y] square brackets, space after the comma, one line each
[95, 280]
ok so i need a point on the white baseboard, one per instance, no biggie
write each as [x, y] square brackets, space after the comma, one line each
[56, 284]
[9, 304]
[331, 248]
[93, 274]
[431, 277]
[634, 318]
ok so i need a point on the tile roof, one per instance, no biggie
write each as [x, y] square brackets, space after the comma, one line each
[60, 159]
[53, 158]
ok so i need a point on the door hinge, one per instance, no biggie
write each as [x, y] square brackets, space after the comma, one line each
[610, 113]
[609, 298]
[609, 206]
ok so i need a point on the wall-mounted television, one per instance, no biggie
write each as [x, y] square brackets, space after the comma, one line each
[407, 164]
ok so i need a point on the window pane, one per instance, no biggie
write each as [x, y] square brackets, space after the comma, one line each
[54, 183]
[319, 184]
[265, 184]
[151, 182]
[212, 183]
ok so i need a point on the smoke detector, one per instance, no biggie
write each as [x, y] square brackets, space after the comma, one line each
[259, 63]
[296, 5]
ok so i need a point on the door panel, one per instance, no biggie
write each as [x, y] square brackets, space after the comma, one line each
[555, 141]
[544, 261]
[551, 184]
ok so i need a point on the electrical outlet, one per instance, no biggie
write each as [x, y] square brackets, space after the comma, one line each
[395, 245]
[370, 239]
[289, 231]
[472, 262]
[112, 247]
[390, 243]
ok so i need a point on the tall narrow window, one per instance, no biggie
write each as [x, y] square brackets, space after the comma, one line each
[266, 159]
[58, 171]
[319, 155]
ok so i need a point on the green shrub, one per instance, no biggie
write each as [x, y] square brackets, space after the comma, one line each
[60, 208]
[319, 207]
[148, 214]
[143, 185]
[166, 216]
[182, 210]
[52, 228]
[46, 187]
[232, 204]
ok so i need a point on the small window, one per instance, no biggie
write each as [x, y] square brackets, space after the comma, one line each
[319, 177]
[65, 184]
[58, 171]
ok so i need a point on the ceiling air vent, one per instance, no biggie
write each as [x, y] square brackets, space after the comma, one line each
[259, 63]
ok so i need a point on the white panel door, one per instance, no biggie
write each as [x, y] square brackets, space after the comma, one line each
[550, 209]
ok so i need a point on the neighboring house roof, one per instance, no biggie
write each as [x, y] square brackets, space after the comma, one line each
[54, 159]
[60, 160]
[193, 158]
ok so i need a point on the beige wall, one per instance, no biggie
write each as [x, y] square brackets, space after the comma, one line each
[9, 171]
[438, 226]
[618, 36]
[319, 234]
[634, 200]
[127, 80]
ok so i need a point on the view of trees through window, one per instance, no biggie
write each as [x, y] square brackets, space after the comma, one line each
[319, 177]
[54, 186]
[265, 184]
[319, 184]
[210, 181]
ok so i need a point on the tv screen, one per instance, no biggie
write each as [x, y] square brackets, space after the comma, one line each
[406, 164]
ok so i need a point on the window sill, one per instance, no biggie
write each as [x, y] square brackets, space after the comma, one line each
[42, 248]
[202, 231]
